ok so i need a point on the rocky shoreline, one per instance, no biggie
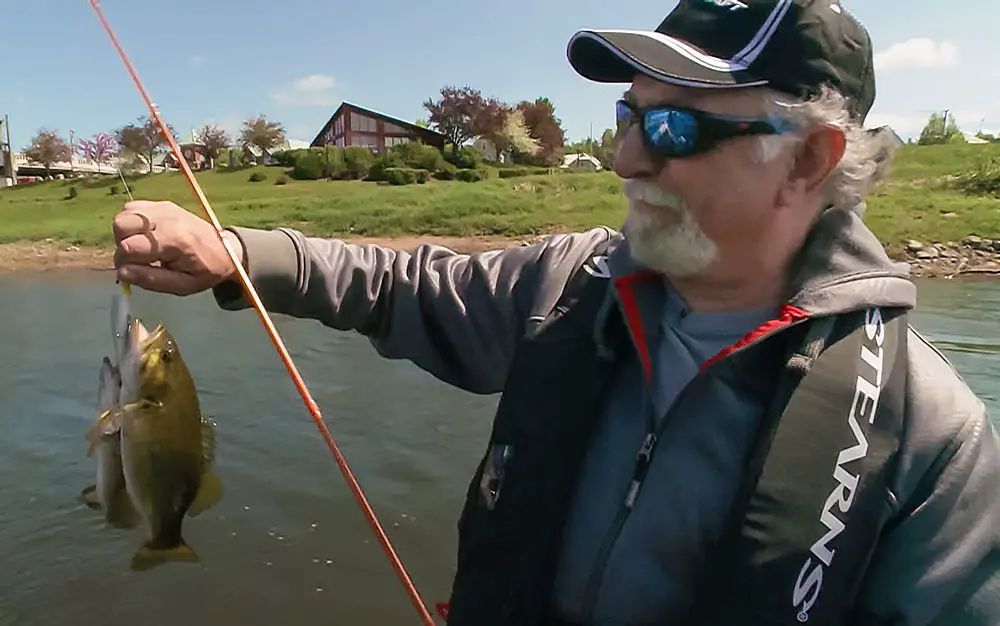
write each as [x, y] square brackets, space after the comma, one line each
[973, 255]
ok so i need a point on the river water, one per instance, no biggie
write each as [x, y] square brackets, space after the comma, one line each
[287, 545]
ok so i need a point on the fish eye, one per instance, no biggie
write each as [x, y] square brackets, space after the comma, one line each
[167, 356]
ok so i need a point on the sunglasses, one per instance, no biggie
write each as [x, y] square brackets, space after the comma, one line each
[673, 131]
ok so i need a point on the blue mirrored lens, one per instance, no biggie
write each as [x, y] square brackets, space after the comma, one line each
[622, 113]
[672, 132]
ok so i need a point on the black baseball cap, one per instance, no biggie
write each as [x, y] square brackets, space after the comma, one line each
[793, 46]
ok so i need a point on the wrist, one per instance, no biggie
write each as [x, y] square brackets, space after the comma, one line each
[232, 241]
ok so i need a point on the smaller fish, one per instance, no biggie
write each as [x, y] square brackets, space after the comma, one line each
[109, 494]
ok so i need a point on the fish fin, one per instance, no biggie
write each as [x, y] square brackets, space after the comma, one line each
[90, 497]
[121, 513]
[209, 494]
[108, 424]
[207, 441]
[147, 557]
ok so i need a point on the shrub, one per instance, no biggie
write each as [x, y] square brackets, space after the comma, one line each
[517, 172]
[447, 171]
[282, 180]
[464, 158]
[417, 155]
[359, 160]
[383, 162]
[472, 176]
[399, 176]
[72, 193]
[421, 175]
[983, 179]
[308, 166]
[113, 190]
[258, 177]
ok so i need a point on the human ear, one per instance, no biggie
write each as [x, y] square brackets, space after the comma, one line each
[817, 155]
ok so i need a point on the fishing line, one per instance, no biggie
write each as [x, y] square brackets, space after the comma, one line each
[272, 332]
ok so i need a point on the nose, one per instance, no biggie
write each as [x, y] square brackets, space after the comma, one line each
[632, 159]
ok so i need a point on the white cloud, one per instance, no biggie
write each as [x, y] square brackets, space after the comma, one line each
[918, 52]
[316, 90]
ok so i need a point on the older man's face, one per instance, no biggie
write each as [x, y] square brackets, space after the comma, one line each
[708, 212]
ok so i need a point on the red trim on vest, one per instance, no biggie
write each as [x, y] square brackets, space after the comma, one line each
[626, 294]
[442, 610]
[787, 315]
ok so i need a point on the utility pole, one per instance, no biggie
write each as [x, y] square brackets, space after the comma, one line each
[7, 152]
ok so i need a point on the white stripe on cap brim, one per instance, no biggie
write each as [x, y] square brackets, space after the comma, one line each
[682, 48]
[723, 67]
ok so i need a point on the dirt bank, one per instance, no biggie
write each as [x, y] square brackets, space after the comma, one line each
[973, 255]
[53, 255]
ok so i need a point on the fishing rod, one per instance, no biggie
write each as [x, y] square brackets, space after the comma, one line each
[272, 332]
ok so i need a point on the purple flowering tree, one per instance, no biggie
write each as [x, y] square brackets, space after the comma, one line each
[99, 148]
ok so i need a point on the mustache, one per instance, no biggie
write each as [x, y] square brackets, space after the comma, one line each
[638, 190]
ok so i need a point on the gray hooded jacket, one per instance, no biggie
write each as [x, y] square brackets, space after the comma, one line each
[460, 316]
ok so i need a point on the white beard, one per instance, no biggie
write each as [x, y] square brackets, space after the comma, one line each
[660, 242]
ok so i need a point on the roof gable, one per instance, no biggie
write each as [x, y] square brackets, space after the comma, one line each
[346, 105]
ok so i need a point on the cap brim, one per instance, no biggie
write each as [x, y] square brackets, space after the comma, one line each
[616, 56]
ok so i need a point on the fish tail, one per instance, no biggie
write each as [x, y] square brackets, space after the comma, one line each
[147, 556]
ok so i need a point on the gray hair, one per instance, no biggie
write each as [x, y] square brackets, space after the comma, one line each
[867, 155]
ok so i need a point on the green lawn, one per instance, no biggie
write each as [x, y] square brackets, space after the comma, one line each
[919, 201]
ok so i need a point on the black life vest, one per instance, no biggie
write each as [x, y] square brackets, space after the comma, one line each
[806, 517]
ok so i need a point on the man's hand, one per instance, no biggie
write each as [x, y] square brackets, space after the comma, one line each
[161, 247]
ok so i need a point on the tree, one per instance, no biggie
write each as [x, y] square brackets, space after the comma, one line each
[938, 131]
[543, 125]
[261, 133]
[215, 140]
[98, 148]
[516, 135]
[46, 148]
[464, 113]
[144, 138]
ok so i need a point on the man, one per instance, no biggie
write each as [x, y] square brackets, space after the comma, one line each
[718, 416]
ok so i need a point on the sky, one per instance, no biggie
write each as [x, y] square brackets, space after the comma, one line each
[220, 61]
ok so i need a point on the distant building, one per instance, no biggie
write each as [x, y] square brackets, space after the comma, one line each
[253, 154]
[353, 125]
[581, 161]
[193, 150]
[488, 150]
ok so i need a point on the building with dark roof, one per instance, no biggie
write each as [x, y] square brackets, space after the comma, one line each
[353, 125]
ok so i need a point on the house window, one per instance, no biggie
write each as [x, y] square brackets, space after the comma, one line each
[340, 142]
[339, 125]
[395, 141]
[362, 123]
[368, 141]
[388, 128]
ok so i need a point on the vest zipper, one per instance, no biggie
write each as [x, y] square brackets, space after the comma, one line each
[644, 458]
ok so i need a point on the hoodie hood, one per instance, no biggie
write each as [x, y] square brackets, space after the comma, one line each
[843, 267]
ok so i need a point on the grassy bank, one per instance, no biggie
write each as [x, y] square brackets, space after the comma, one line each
[919, 201]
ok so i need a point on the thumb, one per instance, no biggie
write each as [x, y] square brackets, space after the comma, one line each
[161, 280]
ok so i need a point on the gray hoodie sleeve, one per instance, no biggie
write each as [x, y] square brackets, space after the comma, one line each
[939, 564]
[457, 316]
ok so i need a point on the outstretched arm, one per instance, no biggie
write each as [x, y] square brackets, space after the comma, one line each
[457, 316]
